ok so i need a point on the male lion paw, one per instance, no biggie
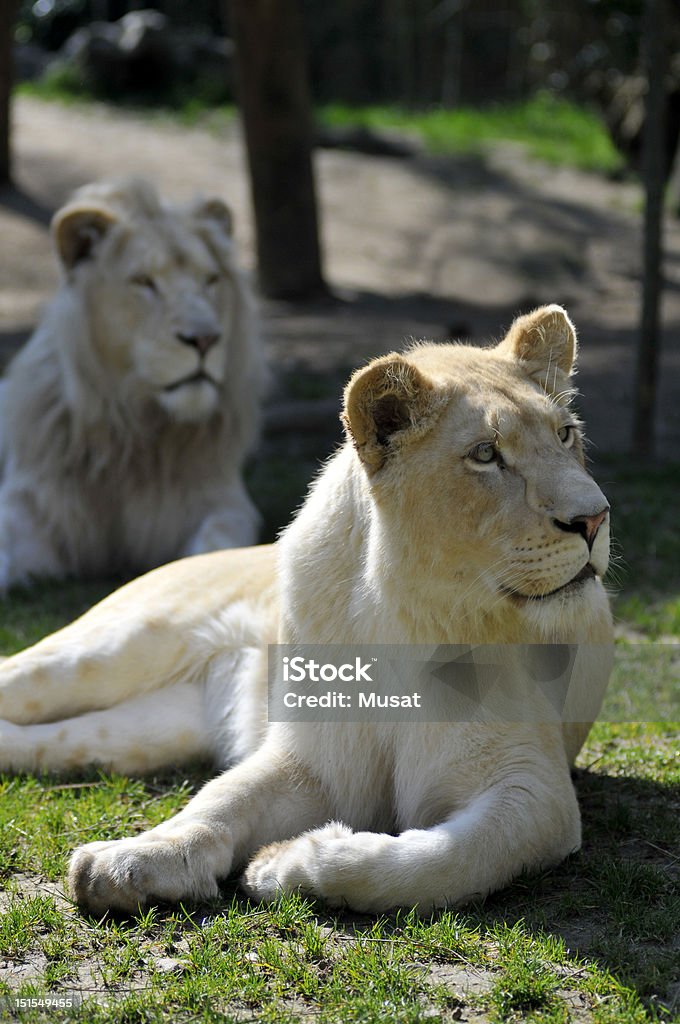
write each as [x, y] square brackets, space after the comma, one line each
[300, 864]
[128, 873]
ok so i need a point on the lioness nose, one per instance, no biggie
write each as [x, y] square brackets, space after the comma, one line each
[202, 342]
[587, 526]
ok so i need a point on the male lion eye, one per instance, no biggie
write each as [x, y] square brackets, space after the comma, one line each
[484, 452]
[144, 281]
[566, 435]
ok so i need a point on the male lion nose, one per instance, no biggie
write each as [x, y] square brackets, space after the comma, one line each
[587, 526]
[202, 342]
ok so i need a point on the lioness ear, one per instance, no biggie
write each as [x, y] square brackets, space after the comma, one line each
[545, 343]
[385, 402]
[78, 228]
[215, 210]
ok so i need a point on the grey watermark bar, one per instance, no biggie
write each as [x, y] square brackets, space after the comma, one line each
[491, 683]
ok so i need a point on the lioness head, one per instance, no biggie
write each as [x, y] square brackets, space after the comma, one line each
[160, 290]
[474, 461]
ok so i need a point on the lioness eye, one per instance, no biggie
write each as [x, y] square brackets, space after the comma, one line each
[566, 435]
[144, 281]
[484, 452]
[211, 279]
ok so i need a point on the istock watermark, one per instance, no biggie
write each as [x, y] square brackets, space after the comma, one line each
[474, 683]
[298, 670]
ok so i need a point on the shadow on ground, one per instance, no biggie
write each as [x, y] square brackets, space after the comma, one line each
[22, 203]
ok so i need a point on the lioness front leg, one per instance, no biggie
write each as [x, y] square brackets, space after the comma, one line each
[517, 824]
[264, 798]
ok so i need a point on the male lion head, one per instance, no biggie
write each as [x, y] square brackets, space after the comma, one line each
[475, 467]
[161, 292]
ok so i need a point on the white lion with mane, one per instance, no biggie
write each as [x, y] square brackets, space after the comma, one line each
[126, 418]
[458, 511]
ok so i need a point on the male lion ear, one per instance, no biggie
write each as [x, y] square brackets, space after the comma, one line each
[386, 402]
[78, 228]
[545, 343]
[215, 210]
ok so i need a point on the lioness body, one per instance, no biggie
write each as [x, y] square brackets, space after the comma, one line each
[458, 512]
[125, 420]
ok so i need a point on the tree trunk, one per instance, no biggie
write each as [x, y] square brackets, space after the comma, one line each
[276, 108]
[654, 176]
[7, 13]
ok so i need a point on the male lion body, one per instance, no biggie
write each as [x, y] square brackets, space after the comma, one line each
[126, 418]
[458, 511]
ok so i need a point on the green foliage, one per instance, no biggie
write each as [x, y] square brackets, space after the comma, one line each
[50, 23]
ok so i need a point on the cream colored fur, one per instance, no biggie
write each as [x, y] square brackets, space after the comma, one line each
[111, 457]
[458, 511]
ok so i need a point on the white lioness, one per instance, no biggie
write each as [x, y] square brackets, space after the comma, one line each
[458, 511]
[126, 418]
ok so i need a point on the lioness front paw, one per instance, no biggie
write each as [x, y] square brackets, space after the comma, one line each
[295, 865]
[128, 873]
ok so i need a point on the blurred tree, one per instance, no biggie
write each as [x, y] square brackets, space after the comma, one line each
[654, 161]
[276, 107]
[7, 14]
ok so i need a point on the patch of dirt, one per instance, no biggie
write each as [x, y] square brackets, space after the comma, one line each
[421, 247]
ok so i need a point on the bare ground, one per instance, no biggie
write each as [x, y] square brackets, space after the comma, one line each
[422, 247]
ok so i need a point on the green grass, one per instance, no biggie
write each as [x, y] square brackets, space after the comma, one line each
[645, 582]
[592, 940]
[230, 959]
[30, 614]
[551, 129]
